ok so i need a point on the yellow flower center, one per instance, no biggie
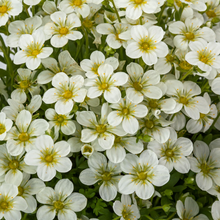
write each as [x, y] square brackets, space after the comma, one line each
[125, 111]
[179, 3]
[3, 9]
[13, 164]
[106, 176]
[137, 86]
[20, 191]
[60, 118]
[35, 52]
[138, 1]
[95, 68]
[4, 205]
[153, 104]
[77, 2]
[202, 115]
[24, 84]
[87, 149]
[189, 36]
[49, 158]
[63, 30]
[169, 153]
[101, 128]
[23, 136]
[149, 124]
[142, 175]
[211, 14]
[117, 140]
[58, 205]
[104, 86]
[204, 59]
[67, 94]
[169, 58]
[2, 128]
[145, 46]
[183, 100]
[185, 65]
[87, 23]
[205, 168]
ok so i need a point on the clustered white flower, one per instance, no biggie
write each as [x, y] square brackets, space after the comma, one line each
[132, 105]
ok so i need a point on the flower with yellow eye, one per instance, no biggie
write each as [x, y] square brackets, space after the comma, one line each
[5, 125]
[106, 83]
[204, 55]
[9, 7]
[49, 157]
[10, 203]
[144, 172]
[23, 135]
[146, 43]
[172, 153]
[101, 170]
[190, 31]
[67, 91]
[60, 201]
[62, 28]
[32, 50]
[60, 122]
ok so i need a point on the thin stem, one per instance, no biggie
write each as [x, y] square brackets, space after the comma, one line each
[186, 74]
[170, 217]
[161, 13]
[149, 217]
[116, 11]
[117, 218]
[210, 129]
[25, 216]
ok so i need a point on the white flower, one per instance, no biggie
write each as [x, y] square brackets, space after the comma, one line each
[97, 58]
[2, 89]
[198, 5]
[49, 157]
[142, 84]
[215, 210]
[172, 153]
[23, 135]
[60, 122]
[26, 83]
[62, 28]
[205, 120]
[206, 165]
[67, 91]
[186, 97]
[10, 203]
[135, 8]
[204, 55]
[155, 127]
[189, 210]
[113, 31]
[12, 168]
[7, 8]
[66, 64]
[144, 172]
[27, 189]
[117, 152]
[100, 130]
[15, 107]
[5, 125]
[126, 113]
[60, 201]
[18, 28]
[125, 209]
[190, 32]
[78, 6]
[100, 170]
[147, 44]
[106, 83]
[33, 50]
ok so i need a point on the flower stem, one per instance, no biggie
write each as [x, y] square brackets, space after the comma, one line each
[171, 216]
[116, 11]
[187, 74]
[149, 217]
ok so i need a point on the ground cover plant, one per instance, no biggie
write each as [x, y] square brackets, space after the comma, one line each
[109, 109]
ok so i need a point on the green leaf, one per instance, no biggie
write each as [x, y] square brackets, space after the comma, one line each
[3, 73]
[58, 175]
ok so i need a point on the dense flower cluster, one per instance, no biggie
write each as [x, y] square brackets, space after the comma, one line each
[116, 100]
